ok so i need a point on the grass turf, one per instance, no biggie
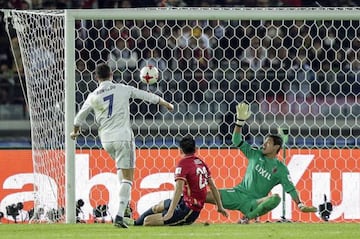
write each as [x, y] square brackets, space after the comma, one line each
[195, 231]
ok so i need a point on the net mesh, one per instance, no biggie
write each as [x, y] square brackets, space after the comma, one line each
[41, 41]
[302, 75]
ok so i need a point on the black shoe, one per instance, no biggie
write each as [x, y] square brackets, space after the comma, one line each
[119, 222]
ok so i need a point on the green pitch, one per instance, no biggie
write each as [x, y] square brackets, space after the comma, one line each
[196, 231]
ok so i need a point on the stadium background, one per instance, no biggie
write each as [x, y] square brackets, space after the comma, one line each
[15, 125]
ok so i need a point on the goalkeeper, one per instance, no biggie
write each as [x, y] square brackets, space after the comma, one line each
[264, 171]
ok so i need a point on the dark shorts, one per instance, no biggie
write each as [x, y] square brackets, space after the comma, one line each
[182, 214]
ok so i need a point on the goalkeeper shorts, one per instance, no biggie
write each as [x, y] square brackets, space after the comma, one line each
[233, 199]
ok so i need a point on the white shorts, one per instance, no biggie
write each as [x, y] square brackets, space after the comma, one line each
[123, 152]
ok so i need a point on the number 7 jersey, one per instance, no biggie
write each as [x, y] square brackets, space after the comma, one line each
[195, 173]
[111, 105]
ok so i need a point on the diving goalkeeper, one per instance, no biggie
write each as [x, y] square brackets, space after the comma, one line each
[264, 172]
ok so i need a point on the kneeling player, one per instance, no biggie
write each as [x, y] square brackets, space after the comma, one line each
[192, 176]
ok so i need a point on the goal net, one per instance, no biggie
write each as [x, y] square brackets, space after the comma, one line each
[297, 68]
[41, 41]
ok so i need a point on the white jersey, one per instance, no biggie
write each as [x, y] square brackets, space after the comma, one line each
[110, 103]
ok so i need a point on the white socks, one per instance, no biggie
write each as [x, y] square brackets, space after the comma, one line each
[125, 192]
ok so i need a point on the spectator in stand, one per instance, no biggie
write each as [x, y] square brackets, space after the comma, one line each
[153, 58]
[255, 54]
[291, 3]
[121, 57]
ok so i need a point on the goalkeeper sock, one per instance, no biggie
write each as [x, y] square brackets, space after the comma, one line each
[264, 207]
[125, 189]
[140, 220]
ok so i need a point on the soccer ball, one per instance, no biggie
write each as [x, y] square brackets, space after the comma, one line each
[149, 74]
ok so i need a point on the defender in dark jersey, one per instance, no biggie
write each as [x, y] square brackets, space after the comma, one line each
[192, 176]
[264, 171]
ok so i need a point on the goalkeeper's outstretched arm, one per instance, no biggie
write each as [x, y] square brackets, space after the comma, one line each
[295, 197]
[242, 114]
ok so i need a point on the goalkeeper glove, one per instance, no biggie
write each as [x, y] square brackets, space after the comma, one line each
[242, 113]
[304, 208]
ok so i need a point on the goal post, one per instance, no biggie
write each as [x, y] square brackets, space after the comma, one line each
[70, 87]
[297, 67]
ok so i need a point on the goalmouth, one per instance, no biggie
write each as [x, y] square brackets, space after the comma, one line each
[277, 59]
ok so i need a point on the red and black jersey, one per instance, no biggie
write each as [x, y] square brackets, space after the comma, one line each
[195, 173]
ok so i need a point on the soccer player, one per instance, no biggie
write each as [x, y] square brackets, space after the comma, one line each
[110, 103]
[264, 171]
[192, 176]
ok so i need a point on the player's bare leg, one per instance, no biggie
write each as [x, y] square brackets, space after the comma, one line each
[156, 209]
[154, 220]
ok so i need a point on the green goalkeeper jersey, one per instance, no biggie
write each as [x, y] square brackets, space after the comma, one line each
[262, 173]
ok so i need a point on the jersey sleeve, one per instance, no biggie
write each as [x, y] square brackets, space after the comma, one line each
[180, 171]
[286, 181]
[84, 111]
[144, 95]
[249, 152]
[237, 139]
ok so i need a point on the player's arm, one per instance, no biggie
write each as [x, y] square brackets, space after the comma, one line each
[242, 114]
[295, 197]
[150, 97]
[290, 188]
[75, 133]
[166, 104]
[175, 200]
[217, 198]
[80, 118]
